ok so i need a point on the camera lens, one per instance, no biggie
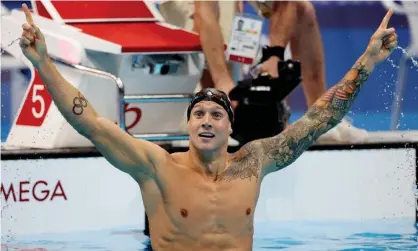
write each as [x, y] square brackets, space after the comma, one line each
[165, 69]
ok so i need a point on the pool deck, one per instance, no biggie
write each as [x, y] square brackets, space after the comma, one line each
[376, 140]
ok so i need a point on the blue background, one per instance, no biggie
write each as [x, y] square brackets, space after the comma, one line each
[346, 28]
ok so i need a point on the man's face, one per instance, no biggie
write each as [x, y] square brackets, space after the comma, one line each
[208, 126]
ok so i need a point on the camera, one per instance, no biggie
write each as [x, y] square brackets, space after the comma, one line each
[261, 110]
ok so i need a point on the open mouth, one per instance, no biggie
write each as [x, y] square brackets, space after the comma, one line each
[206, 135]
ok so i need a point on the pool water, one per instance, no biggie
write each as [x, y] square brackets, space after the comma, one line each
[350, 235]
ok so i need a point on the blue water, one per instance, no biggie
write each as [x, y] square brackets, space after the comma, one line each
[350, 235]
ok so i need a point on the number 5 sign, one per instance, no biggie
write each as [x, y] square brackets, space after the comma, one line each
[39, 123]
[36, 105]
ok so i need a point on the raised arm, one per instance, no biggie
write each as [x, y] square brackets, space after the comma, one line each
[281, 150]
[118, 147]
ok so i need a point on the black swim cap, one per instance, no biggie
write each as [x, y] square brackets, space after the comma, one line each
[215, 95]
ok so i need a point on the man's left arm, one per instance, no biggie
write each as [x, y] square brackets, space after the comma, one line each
[281, 150]
[263, 156]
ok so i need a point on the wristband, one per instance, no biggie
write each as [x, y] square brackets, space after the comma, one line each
[268, 52]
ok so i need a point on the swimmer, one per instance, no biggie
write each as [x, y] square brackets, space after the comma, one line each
[205, 198]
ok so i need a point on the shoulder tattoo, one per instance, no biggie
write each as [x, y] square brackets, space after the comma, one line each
[245, 164]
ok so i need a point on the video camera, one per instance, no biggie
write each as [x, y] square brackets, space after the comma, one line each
[261, 110]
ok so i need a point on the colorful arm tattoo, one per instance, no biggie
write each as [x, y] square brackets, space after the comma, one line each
[281, 150]
[326, 113]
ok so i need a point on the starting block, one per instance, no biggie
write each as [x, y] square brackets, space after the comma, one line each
[134, 69]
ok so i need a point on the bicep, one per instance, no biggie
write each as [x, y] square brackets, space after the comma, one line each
[133, 156]
[283, 149]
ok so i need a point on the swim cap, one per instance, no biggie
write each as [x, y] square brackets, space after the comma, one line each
[214, 95]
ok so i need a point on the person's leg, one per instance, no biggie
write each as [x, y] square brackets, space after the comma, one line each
[306, 46]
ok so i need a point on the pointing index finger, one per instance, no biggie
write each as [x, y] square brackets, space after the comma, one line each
[386, 19]
[27, 14]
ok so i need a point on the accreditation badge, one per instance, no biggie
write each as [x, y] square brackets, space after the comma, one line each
[245, 39]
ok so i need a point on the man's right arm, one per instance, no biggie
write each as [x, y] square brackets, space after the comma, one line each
[135, 157]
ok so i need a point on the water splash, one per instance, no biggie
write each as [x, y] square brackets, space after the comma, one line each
[392, 63]
[3, 48]
[414, 62]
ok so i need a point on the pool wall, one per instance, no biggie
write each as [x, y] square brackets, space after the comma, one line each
[74, 190]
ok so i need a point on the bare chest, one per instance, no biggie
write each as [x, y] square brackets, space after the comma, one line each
[211, 207]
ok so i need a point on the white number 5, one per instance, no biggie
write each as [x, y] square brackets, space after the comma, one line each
[38, 98]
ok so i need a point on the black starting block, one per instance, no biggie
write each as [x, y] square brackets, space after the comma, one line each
[261, 110]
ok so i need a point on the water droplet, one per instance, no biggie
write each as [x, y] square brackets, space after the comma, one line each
[392, 63]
